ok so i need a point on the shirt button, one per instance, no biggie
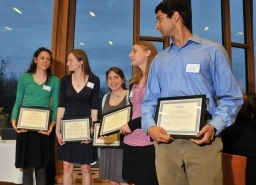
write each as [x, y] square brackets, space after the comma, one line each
[178, 76]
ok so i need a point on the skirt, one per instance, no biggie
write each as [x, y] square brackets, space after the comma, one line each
[139, 165]
[75, 152]
[34, 150]
[110, 165]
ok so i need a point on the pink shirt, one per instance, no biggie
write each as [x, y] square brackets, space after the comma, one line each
[138, 137]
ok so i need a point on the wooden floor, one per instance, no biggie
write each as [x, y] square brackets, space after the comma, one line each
[6, 183]
[77, 178]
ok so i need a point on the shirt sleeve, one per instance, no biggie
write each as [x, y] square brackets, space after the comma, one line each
[19, 96]
[228, 92]
[149, 103]
[135, 124]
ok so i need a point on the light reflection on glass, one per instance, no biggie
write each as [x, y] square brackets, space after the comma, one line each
[237, 21]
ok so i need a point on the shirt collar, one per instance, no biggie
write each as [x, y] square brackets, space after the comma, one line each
[194, 38]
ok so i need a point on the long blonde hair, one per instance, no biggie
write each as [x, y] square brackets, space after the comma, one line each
[137, 73]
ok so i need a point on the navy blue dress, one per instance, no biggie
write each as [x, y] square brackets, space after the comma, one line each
[78, 105]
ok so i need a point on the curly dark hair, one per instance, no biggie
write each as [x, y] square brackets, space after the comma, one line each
[33, 65]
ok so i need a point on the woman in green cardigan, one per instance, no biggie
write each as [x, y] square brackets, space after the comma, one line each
[36, 88]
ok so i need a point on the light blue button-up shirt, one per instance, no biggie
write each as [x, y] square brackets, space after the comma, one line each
[213, 77]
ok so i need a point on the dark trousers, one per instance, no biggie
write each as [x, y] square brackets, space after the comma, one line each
[28, 176]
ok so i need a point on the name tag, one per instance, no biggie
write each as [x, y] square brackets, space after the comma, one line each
[90, 84]
[48, 88]
[193, 68]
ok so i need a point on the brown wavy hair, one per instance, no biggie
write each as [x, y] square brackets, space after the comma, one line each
[81, 55]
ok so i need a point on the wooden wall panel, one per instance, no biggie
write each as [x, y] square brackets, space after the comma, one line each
[62, 42]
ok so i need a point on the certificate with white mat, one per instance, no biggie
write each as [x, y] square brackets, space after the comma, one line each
[181, 117]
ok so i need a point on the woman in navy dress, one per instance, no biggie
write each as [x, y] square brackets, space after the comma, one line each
[79, 97]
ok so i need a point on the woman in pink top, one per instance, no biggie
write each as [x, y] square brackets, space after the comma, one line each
[139, 151]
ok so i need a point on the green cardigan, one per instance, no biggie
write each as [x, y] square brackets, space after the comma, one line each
[29, 93]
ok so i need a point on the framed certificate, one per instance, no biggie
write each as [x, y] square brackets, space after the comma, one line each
[33, 118]
[76, 130]
[181, 117]
[113, 121]
[113, 140]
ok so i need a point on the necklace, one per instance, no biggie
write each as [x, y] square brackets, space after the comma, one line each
[78, 84]
[117, 95]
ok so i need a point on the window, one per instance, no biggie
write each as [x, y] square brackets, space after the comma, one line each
[239, 49]
[206, 19]
[228, 22]
[238, 67]
[25, 26]
[103, 29]
[237, 21]
[148, 18]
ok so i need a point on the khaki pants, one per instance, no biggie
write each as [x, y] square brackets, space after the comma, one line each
[184, 163]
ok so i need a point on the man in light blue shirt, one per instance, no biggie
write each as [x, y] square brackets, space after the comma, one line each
[190, 66]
